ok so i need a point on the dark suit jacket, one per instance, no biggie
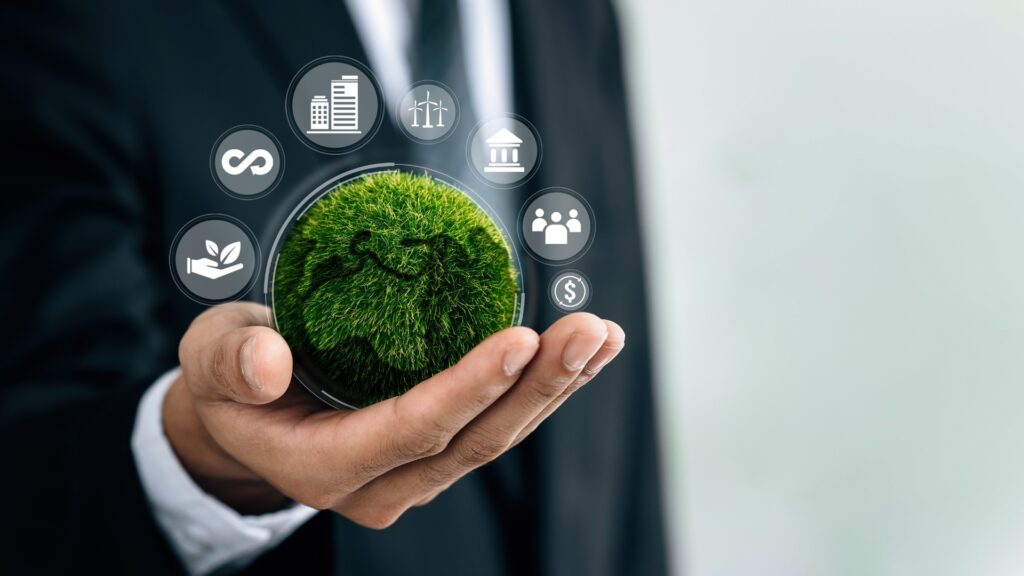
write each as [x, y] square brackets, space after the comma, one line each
[110, 110]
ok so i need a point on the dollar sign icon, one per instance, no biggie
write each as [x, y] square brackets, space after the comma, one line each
[570, 291]
[570, 294]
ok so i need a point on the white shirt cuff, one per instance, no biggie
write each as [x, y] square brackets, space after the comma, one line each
[204, 532]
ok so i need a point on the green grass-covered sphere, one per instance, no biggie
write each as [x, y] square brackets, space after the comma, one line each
[387, 280]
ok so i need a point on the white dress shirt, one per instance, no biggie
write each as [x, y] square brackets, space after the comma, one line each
[205, 533]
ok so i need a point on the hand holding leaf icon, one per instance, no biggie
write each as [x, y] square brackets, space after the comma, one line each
[211, 268]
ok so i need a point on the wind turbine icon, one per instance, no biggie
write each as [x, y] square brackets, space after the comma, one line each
[425, 107]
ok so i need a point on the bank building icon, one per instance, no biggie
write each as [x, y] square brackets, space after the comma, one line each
[340, 114]
[504, 150]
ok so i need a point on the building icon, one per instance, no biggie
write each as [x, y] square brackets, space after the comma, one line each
[503, 145]
[341, 114]
[319, 113]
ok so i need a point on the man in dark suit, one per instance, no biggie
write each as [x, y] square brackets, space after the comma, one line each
[110, 110]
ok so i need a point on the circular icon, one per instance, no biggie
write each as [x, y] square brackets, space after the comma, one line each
[247, 162]
[214, 259]
[557, 225]
[429, 112]
[504, 151]
[570, 291]
[334, 104]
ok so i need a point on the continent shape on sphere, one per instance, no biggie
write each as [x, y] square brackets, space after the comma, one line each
[387, 280]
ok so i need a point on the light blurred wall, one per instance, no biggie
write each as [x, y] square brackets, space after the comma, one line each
[834, 193]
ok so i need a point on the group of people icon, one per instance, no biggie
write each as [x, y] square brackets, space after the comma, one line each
[555, 232]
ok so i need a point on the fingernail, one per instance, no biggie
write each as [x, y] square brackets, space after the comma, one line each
[248, 362]
[580, 349]
[516, 359]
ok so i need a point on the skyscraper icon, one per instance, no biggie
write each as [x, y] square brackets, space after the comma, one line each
[319, 114]
[341, 114]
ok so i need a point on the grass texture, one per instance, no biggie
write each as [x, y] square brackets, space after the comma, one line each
[387, 280]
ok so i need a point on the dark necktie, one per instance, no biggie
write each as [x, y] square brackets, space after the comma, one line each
[439, 55]
[437, 51]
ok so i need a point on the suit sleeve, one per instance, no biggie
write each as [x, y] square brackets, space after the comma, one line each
[80, 300]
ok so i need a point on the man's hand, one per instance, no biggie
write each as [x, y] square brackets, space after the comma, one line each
[252, 439]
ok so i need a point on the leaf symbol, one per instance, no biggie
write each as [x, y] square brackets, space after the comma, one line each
[230, 253]
[211, 248]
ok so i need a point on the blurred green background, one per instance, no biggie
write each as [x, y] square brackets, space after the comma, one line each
[834, 203]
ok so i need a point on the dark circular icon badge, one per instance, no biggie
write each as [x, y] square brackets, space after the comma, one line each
[429, 112]
[247, 162]
[570, 291]
[214, 259]
[334, 104]
[557, 225]
[504, 151]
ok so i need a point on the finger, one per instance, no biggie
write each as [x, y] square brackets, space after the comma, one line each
[565, 348]
[230, 353]
[613, 344]
[422, 421]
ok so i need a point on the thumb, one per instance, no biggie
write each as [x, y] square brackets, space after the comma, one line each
[230, 353]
